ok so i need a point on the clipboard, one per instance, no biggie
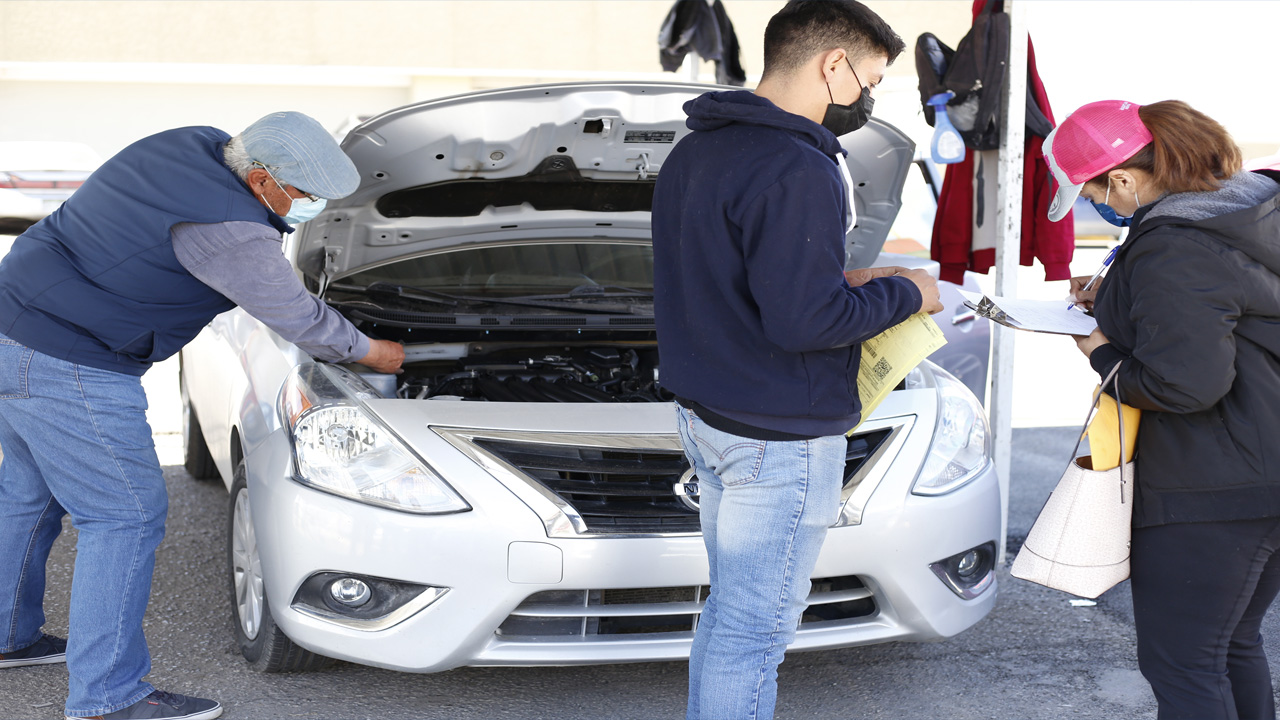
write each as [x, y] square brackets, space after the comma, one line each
[1044, 316]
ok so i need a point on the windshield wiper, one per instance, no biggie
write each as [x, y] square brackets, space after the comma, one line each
[409, 292]
[588, 292]
[398, 291]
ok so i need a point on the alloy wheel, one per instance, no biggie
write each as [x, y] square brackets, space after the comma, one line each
[246, 568]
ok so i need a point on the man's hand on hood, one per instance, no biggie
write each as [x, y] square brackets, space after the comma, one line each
[384, 356]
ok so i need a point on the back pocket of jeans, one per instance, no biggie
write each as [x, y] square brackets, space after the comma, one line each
[14, 360]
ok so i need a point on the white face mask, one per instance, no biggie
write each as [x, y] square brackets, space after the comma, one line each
[300, 209]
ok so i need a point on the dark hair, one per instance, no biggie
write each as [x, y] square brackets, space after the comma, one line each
[804, 28]
[1189, 151]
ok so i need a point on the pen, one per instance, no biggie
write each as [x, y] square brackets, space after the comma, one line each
[1110, 256]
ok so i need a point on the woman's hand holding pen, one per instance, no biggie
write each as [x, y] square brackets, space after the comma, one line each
[1080, 296]
[1085, 289]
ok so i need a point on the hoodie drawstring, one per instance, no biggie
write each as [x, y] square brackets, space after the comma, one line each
[851, 216]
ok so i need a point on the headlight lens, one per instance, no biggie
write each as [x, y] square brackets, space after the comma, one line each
[341, 448]
[959, 450]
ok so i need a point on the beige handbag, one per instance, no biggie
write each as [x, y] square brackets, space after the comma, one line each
[1080, 541]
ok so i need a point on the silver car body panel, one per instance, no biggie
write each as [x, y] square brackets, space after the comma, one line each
[517, 540]
[303, 531]
[508, 133]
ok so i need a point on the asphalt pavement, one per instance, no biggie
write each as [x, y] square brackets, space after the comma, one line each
[1035, 656]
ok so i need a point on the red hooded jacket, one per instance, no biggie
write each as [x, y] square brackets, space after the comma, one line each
[1052, 243]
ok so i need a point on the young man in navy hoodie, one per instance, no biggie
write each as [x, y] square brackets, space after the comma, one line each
[759, 330]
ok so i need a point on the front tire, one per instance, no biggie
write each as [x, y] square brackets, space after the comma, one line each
[262, 643]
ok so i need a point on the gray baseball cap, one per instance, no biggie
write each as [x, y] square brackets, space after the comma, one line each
[301, 153]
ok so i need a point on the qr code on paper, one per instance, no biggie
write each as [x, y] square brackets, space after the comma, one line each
[881, 369]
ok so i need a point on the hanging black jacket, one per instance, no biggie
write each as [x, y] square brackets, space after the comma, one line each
[1191, 306]
[704, 28]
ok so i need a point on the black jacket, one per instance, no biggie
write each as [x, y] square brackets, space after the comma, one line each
[705, 29]
[1192, 308]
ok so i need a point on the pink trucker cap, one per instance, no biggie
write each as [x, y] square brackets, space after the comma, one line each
[1092, 140]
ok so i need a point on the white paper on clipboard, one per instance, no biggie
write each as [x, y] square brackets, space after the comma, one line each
[1046, 316]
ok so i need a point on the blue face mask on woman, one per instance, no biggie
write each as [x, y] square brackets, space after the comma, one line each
[1109, 214]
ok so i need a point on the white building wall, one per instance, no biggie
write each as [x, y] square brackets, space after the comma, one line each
[110, 115]
[109, 72]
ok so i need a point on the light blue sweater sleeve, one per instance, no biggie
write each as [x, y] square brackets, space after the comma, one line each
[244, 261]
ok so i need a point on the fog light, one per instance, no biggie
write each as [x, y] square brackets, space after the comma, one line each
[350, 592]
[969, 573]
[362, 602]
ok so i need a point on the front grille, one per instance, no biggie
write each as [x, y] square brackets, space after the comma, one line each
[614, 491]
[632, 491]
[578, 615]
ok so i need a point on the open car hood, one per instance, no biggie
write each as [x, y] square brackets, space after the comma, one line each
[491, 166]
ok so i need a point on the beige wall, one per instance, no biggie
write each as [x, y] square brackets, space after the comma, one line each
[584, 35]
[109, 72]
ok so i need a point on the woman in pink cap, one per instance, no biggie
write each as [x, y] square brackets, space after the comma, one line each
[1190, 310]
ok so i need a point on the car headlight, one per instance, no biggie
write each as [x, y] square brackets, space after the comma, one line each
[959, 450]
[340, 447]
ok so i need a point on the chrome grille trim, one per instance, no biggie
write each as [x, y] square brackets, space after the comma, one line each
[562, 519]
[559, 517]
[858, 489]
[591, 615]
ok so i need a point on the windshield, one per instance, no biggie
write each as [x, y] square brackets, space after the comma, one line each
[526, 269]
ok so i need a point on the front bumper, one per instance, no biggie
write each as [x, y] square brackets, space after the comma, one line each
[493, 558]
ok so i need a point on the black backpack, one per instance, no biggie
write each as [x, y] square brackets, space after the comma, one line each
[974, 71]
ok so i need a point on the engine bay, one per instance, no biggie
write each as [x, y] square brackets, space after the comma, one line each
[521, 372]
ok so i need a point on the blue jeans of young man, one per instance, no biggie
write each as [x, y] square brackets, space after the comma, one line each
[76, 440]
[765, 507]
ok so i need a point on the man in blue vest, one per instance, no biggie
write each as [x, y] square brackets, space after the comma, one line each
[175, 229]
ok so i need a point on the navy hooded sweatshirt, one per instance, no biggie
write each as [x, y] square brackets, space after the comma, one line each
[755, 319]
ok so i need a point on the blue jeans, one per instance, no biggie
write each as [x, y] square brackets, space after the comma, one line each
[765, 509]
[76, 440]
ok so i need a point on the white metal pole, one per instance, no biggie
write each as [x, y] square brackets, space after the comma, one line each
[1013, 111]
[693, 63]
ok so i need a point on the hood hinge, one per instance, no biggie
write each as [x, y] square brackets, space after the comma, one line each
[330, 267]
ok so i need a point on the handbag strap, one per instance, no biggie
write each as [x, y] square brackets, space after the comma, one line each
[1113, 378]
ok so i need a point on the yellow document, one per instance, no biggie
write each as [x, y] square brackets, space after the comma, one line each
[1104, 433]
[889, 356]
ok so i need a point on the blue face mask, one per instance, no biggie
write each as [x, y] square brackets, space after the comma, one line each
[1108, 213]
[300, 209]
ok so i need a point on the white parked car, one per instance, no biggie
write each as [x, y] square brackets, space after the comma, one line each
[518, 496]
[37, 176]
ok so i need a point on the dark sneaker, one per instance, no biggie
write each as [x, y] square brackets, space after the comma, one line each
[45, 651]
[161, 705]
